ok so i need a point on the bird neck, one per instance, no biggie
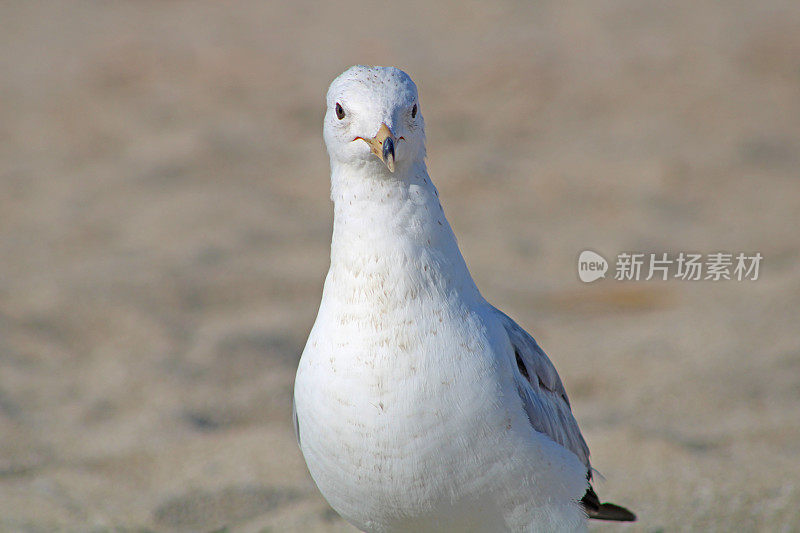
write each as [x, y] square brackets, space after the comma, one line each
[392, 225]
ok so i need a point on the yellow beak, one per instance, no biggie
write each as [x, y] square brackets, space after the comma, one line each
[382, 145]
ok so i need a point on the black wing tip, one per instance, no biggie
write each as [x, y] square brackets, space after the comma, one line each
[604, 511]
[611, 511]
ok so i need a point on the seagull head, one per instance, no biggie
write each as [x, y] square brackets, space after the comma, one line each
[374, 119]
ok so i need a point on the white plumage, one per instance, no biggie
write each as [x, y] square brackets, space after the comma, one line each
[421, 407]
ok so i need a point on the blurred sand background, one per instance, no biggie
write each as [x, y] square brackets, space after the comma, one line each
[165, 226]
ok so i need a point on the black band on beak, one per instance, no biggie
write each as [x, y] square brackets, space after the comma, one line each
[388, 149]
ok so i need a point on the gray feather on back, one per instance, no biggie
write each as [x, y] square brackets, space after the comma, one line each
[542, 393]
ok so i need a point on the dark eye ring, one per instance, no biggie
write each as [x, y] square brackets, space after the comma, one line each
[414, 111]
[339, 111]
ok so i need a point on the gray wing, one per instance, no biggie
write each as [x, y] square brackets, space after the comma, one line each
[542, 392]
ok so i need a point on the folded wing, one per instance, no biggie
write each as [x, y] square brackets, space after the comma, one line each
[542, 392]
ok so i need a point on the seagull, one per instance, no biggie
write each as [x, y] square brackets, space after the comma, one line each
[419, 406]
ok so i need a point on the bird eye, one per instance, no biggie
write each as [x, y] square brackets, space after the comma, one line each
[414, 111]
[339, 111]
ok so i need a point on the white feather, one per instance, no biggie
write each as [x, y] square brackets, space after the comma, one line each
[407, 394]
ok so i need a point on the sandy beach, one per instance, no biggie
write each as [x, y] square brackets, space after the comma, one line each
[165, 227]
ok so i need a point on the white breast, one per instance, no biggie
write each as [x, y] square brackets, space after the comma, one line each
[405, 413]
[408, 415]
